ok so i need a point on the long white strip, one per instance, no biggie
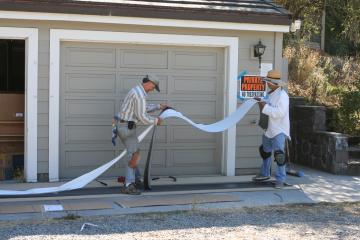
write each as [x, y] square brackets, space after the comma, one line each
[85, 179]
[218, 126]
[78, 182]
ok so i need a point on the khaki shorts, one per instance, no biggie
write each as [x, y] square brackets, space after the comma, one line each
[128, 138]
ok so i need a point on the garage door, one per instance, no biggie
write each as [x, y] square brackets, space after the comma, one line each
[95, 79]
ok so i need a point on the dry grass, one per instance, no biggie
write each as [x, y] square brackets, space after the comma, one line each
[327, 80]
[318, 77]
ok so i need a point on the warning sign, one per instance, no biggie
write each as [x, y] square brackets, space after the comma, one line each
[252, 86]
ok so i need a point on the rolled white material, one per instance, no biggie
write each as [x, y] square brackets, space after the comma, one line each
[85, 179]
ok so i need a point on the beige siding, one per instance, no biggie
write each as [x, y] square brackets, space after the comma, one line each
[248, 133]
[246, 157]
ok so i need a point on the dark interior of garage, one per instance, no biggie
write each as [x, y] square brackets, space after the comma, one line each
[12, 110]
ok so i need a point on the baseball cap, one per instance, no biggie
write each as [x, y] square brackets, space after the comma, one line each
[155, 80]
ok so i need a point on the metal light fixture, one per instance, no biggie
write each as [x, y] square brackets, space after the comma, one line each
[259, 50]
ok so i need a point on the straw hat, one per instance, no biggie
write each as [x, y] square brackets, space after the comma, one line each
[274, 76]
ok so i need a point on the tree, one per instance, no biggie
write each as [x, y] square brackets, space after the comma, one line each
[351, 24]
[309, 11]
[342, 27]
[342, 22]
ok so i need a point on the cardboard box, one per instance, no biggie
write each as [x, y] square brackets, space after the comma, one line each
[15, 128]
[12, 107]
[6, 168]
[11, 132]
[12, 147]
[6, 173]
[12, 114]
[5, 160]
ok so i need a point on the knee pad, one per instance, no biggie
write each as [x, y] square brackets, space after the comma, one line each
[279, 156]
[264, 155]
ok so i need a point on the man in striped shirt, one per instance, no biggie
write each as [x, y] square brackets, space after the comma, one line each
[133, 110]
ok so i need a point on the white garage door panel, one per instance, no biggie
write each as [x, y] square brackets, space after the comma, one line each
[194, 85]
[195, 61]
[90, 57]
[144, 58]
[187, 134]
[89, 109]
[185, 157]
[90, 83]
[96, 77]
[87, 158]
[203, 109]
[87, 134]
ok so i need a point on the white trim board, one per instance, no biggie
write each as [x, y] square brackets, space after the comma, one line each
[231, 64]
[30, 35]
[142, 21]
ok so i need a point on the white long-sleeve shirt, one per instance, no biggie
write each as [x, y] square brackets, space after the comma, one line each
[134, 107]
[277, 108]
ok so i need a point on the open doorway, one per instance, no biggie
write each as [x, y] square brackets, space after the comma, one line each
[12, 109]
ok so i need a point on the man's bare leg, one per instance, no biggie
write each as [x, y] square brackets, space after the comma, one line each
[134, 160]
[130, 172]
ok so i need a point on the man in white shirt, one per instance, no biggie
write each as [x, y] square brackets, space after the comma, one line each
[134, 109]
[278, 129]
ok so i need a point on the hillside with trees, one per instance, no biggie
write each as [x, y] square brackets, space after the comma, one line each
[324, 58]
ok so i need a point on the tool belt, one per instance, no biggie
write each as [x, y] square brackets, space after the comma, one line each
[130, 124]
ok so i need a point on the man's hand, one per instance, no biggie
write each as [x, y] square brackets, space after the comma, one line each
[159, 120]
[260, 103]
[115, 120]
[163, 106]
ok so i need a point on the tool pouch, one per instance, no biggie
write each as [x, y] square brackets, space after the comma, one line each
[131, 125]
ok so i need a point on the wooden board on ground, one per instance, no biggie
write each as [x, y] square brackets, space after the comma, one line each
[147, 201]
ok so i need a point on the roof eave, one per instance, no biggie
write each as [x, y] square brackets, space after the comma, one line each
[149, 12]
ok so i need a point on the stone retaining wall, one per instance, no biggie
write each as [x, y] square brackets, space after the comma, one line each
[312, 145]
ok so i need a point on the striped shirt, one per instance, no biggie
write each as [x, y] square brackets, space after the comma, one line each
[134, 107]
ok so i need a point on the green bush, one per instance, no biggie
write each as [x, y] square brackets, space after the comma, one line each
[349, 111]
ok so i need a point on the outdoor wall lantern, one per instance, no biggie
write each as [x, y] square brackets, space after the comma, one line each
[259, 50]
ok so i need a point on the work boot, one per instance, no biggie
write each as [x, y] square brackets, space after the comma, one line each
[278, 185]
[139, 183]
[260, 178]
[131, 190]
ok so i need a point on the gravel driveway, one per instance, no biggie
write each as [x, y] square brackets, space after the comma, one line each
[318, 221]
